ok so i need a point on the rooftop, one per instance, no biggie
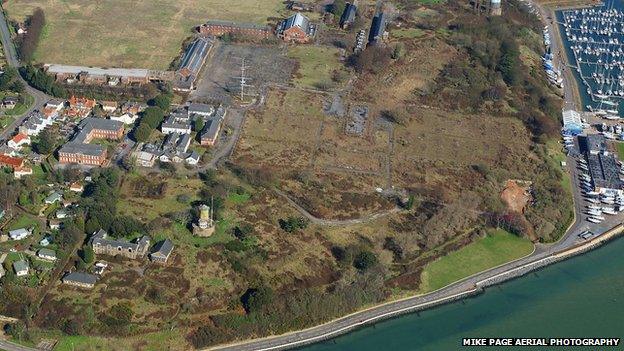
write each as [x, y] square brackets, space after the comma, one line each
[237, 24]
[80, 277]
[114, 72]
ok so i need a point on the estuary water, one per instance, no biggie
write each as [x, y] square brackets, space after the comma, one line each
[580, 297]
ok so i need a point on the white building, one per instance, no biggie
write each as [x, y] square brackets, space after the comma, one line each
[126, 118]
[19, 234]
[19, 140]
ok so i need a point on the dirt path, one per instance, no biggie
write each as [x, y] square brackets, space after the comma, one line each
[333, 223]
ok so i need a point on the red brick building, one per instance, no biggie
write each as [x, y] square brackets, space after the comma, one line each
[218, 28]
[81, 152]
[296, 29]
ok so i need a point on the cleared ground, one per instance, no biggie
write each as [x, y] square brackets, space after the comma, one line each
[264, 65]
[319, 66]
[129, 33]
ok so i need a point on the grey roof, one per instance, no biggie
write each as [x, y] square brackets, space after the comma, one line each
[18, 232]
[80, 277]
[195, 54]
[297, 20]
[20, 265]
[348, 16]
[172, 122]
[592, 143]
[211, 129]
[194, 155]
[183, 143]
[378, 27]
[56, 102]
[101, 238]
[83, 149]
[98, 71]
[163, 248]
[237, 25]
[55, 196]
[78, 146]
[46, 252]
[195, 107]
[604, 171]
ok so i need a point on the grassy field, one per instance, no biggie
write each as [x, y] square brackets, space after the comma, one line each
[317, 65]
[495, 249]
[407, 33]
[129, 33]
[620, 150]
[150, 208]
[171, 340]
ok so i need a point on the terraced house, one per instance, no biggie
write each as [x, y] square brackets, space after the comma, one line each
[102, 245]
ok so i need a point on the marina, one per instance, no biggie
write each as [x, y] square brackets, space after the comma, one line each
[594, 41]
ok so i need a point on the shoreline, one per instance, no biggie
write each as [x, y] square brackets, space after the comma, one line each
[479, 287]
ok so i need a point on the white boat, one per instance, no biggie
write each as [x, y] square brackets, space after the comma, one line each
[609, 210]
[593, 220]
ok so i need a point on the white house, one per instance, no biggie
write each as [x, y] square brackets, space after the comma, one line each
[19, 234]
[19, 140]
[200, 109]
[53, 198]
[21, 268]
[18, 173]
[126, 118]
[193, 158]
[169, 127]
[46, 254]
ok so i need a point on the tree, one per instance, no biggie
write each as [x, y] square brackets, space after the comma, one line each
[338, 7]
[153, 116]
[243, 231]
[142, 132]
[398, 50]
[508, 63]
[46, 143]
[163, 101]
[291, 224]
[87, 254]
[364, 260]
[373, 59]
[257, 299]
[199, 124]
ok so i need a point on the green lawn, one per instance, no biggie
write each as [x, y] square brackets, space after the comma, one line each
[317, 65]
[170, 340]
[496, 248]
[19, 109]
[620, 150]
[407, 33]
[24, 221]
[5, 121]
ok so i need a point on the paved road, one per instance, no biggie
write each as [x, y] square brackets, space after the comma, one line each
[9, 346]
[40, 98]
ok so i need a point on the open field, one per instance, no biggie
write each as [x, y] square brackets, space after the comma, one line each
[318, 66]
[150, 199]
[129, 33]
[496, 248]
